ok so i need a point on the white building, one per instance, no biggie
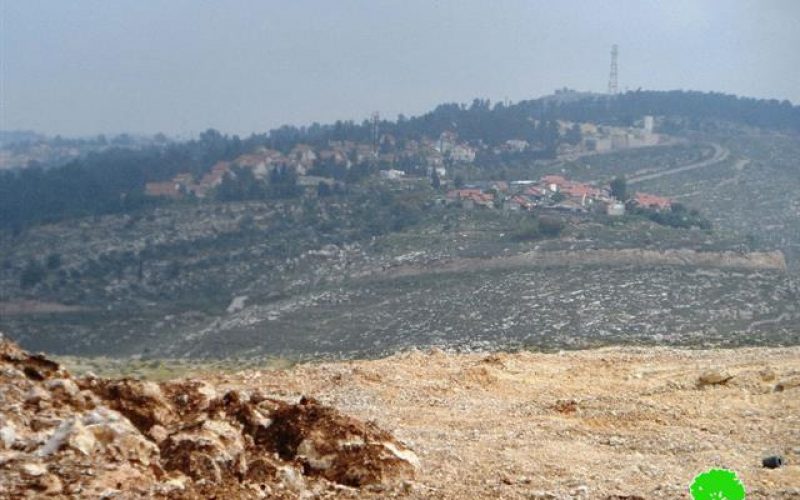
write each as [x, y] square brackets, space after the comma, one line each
[392, 174]
[440, 171]
[615, 209]
[517, 145]
[648, 124]
[463, 154]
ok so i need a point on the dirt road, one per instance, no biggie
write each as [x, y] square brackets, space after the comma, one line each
[720, 154]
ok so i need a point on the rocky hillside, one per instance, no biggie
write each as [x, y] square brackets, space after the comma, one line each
[252, 280]
[351, 276]
[88, 437]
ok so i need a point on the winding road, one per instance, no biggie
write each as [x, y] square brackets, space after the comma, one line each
[720, 154]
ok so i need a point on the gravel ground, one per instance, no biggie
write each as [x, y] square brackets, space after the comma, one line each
[631, 422]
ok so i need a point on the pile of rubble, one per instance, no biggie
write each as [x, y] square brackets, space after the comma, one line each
[92, 437]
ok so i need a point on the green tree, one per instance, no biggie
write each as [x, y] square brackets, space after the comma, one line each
[53, 261]
[435, 181]
[527, 230]
[551, 226]
[283, 183]
[240, 184]
[323, 190]
[678, 208]
[619, 188]
[228, 189]
[173, 270]
[573, 135]
[32, 274]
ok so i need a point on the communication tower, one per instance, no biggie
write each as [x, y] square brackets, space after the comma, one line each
[612, 77]
[376, 119]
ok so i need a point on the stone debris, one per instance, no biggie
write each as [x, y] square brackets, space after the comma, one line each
[767, 375]
[713, 377]
[772, 462]
[566, 406]
[98, 438]
[788, 383]
[8, 434]
[33, 470]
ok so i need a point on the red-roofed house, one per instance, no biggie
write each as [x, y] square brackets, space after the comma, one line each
[185, 179]
[175, 188]
[500, 186]
[579, 190]
[554, 182]
[535, 191]
[516, 203]
[463, 193]
[652, 201]
[218, 171]
[168, 189]
[473, 197]
[582, 193]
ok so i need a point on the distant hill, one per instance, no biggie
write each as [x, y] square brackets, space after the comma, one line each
[379, 264]
[111, 180]
[14, 136]
[493, 123]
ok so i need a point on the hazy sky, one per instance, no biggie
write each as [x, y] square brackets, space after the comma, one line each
[180, 66]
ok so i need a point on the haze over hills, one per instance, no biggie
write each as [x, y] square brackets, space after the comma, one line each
[82, 70]
[473, 226]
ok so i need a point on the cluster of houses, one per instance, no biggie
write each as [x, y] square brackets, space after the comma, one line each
[184, 184]
[553, 192]
[43, 153]
[300, 159]
[428, 154]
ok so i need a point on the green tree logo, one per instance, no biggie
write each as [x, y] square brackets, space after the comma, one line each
[717, 484]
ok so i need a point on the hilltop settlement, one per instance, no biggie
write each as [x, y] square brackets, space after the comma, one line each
[324, 169]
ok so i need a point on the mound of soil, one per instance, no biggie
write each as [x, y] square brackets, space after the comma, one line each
[92, 437]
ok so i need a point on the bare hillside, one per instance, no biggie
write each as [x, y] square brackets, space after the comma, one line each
[610, 423]
[583, 424]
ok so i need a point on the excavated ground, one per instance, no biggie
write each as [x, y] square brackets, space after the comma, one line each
[607, 423]
[615, 423]
[98, 438]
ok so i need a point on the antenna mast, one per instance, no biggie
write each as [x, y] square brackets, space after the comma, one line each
[376, 119]
[612, 77]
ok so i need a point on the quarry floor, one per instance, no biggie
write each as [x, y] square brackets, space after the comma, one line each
[630, 422]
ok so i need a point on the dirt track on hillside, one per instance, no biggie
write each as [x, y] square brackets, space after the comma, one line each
[585, 424]
[720, 154]
[36, 307]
